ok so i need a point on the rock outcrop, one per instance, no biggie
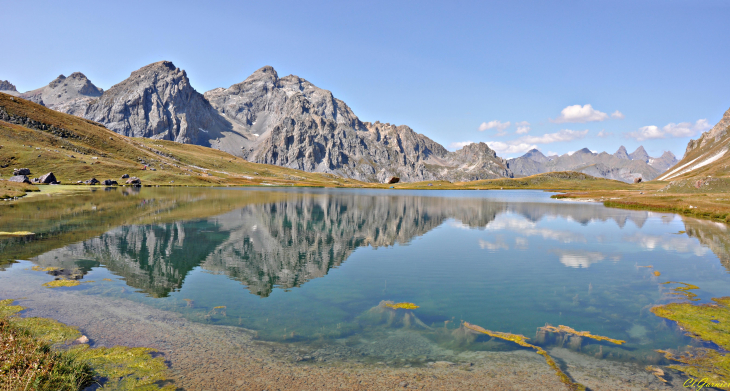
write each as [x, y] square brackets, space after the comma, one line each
[292, 123]
[284, 121]
[156, 101]
[705, 157]
[620, 165]
[8, 88]
[65, 93]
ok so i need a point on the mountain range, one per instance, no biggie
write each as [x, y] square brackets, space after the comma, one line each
[266, 119]
[289, 122]
[620, 166]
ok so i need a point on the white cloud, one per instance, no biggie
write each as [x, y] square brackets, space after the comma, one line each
[510, 147]
[563, 135]
[604, 133]
[459, 144]
[683, 129]
[499, 244]
[578, 113]
[500, 126]
[618, 115]
[522, 127]
[551, 153]
[579, 258]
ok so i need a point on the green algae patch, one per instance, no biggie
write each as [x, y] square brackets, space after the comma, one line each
[47, 330]
[405, 306]
[584, 334]
[7, 309]
[61, 283]
[125, 368]
[522, 341]
[684, 290]
[121, 368]
[17, 234]
[43, 269]
[707, 322]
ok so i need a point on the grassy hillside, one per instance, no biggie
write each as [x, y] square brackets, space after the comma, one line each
[75, 149]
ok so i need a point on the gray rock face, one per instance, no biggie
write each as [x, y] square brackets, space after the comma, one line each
[65, 93]
[714, 135]
[619, 166]
[639, 154]
[8, 88]
[158, 102]
[19, 179]
[663, 162]
[292, 123]
[284, 121]
[48, 179]
[622, 153]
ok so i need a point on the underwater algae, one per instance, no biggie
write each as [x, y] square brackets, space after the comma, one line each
[522, 341]
[585, 334]
[61, 283]
[708, 322]
[17, 234]
[121, 368]
[405, 306]
[683, 290]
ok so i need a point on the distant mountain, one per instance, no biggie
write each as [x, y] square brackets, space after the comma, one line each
[620, 166]
[65, 93]
[8, 88]
[284, 121]
[705, 161]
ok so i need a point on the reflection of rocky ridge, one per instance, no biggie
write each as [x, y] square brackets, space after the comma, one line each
[287, 243]
[153, 258]
[712, 234]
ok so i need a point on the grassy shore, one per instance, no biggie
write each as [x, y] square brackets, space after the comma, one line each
[715, 206]
[38, 354]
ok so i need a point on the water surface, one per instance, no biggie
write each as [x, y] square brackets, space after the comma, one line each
[310, 267]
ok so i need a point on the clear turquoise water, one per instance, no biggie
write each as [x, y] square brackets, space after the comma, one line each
[308, 267]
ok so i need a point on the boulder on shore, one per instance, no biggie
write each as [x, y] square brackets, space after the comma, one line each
[92, 181]
[48, 179]
[637, 180]
[19, 179]
[125, 176]
[109, 182]
[394, 179]
[21, 171]
[134, 181]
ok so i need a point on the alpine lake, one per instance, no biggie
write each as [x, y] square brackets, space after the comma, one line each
[365, 279]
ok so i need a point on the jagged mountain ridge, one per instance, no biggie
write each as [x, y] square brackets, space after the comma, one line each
[65, 93]
[620, 165]
[266, 119]
[706, 157]
[8, 88]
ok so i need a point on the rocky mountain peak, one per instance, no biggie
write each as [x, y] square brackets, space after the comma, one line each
[535, 155]
[711, 136]
[57, 81]
[584, 150]
[639, 154]
[7, 86]
[622, 153]
[668, 154]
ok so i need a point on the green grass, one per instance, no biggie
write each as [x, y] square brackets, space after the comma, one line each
[34, 355]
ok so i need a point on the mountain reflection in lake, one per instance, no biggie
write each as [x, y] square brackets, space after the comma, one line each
[308, 266]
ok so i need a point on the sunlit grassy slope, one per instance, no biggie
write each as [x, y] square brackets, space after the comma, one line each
[75, 149]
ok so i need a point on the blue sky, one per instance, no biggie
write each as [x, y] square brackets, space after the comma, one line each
[446, 69]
